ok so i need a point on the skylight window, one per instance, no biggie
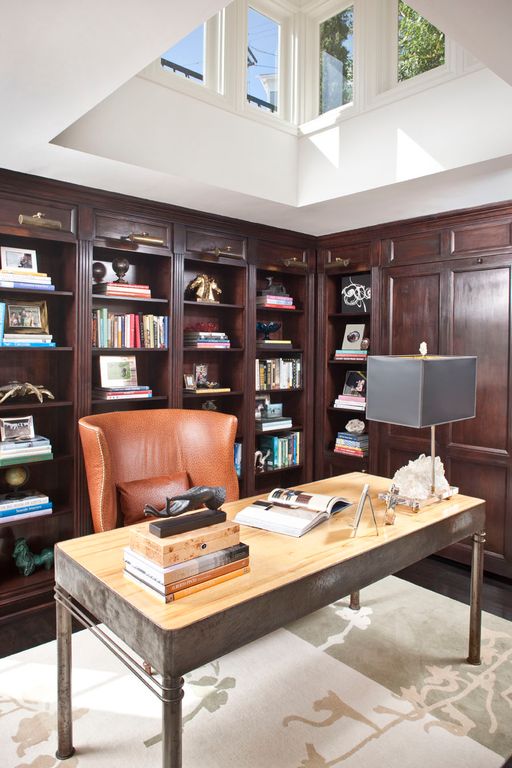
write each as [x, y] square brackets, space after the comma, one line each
[263, 41]
[337, 60]
[421, 46]
[186, 58]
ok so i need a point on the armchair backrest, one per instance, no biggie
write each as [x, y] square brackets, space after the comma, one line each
[135, 445]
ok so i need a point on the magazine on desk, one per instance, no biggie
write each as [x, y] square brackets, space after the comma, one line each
[290, 511]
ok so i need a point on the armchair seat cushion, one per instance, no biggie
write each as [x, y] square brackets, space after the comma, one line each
[135, 494]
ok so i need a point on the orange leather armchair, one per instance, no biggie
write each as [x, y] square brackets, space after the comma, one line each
[135, 445]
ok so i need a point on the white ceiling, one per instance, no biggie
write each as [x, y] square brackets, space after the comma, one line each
[59, 60]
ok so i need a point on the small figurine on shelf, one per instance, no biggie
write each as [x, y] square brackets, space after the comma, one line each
[260, 460]
[27, 562]
[203, 288]
[17, 389]
[99, 271]
[120, 265]
[267, 328]
[273, 288]
[209, 405]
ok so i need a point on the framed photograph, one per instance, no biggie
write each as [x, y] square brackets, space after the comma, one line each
[200, 374]
[354, 334]
[355, 384]
[26, 317]
[18, 259]
[261, 403]
[118, 371]
[189, 381]
[356, 294]
[19, 428]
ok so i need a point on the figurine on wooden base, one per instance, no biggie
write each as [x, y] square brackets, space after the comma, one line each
[203, 288]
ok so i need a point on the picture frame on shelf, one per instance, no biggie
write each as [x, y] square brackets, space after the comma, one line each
[356, 294]
[17, 428]
[354, 335]
[200, 371]
[189, 382]
[355, 384]
[18, 259]
[118, 371]
[26, 317]
[261, 403]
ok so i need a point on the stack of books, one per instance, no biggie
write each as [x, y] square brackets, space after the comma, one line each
[171, 568]
[22, 451]
[23, 504]
[351, 355]
[131, 330]
[350, 402]
[132, 290]
[206, 339]
[122, 393]
[31, 281]
[283, 301]
[351, 445]
[267, 424]
[27, 340]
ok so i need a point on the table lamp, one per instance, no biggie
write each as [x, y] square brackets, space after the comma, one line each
[421, 391]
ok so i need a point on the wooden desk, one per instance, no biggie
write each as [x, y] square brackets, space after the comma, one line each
[289, 578]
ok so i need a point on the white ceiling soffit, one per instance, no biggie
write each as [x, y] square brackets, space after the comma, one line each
[482, 28]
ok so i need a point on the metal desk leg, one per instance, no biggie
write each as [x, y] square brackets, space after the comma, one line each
[171, 721]
[475, 616]
[355, 605]
[65, 747]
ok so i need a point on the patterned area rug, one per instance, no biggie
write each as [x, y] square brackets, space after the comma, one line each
[386, 687]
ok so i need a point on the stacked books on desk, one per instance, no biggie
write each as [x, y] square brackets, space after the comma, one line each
[132, 290]
[176, 566]
[35, 448]
[28, 281]
[351, 445]
[351, 355]
[22, 505]
[350, 403]
[206, 340]
[122, 393]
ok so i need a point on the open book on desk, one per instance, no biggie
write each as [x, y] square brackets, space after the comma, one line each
[290, 511]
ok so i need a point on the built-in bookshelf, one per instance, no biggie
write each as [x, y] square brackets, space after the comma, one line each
[53, 367]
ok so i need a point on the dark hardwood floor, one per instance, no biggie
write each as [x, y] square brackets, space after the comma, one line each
[435, 573]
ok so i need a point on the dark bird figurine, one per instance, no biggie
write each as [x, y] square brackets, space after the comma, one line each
[209, 496]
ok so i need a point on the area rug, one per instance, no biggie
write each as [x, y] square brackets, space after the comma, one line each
[384, 687]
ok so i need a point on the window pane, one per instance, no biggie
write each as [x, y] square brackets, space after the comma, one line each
[336, 60]
[420, 44]
[262, 61]
[186, 58]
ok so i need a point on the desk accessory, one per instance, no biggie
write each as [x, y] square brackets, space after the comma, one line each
[210, 496]
[365, 496]
[174, 525]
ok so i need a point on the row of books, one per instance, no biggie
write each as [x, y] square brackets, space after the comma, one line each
[351, 445]
[36, 448]
[349, 355]
[283, 301]
[130, 290]
[167, 568]
[350, 402]
[32, 281]
[22, 505]
[133, 330]
[284, 450]
[206, 339]
[278, 373]
[138, 392]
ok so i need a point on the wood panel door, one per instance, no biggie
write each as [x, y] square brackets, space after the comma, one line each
[461, 307]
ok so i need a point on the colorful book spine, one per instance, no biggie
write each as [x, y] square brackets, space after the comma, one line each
[25, 516]
[22, 510]
[26, 286]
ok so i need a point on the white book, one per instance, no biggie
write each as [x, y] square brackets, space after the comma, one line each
[25, 501]
[290, 511]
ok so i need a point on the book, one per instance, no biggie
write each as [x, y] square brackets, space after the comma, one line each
[24, 516]
[32, 336]
[23, 510]
[25, 459]
[264, 425]
[292, 512]
[188, 581]
[39, 278]
[26, 286]
[179, 571]
[211, 390]
[129, 395]
[34, 451]
[273, 342]
[27, 343]
[183, 546]
[189, 590]
[23, 498]
[2, 319]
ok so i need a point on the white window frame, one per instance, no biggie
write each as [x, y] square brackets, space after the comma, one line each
[317, 13]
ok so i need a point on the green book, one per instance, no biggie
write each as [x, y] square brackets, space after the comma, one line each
[25, 459]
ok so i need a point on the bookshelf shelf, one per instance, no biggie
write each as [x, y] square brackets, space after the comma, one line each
[35, 405]
[211, 305]
[267, 472]
[211, 395]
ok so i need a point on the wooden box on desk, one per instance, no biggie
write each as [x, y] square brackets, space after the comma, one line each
[183, 546]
